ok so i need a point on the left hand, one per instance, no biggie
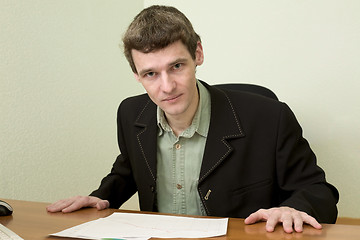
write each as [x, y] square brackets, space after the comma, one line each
[75, 203]
[290, 218]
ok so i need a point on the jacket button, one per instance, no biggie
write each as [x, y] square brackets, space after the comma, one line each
[152, 188]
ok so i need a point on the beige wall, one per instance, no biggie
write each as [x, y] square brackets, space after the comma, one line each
[62, 77]
[308, 52]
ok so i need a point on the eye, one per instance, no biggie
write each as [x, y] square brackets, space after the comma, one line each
[149, 74]
[177, 65]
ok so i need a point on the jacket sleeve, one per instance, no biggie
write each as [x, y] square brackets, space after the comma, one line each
[298, 174]
[119, 185]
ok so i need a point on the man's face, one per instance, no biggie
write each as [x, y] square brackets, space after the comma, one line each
[168, 76]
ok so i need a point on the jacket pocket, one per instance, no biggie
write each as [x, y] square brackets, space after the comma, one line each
[250, 198]
[252, 187]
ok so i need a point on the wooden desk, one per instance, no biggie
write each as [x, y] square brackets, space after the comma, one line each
[31, 221]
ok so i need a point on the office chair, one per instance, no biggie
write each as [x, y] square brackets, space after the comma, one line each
[245, 87]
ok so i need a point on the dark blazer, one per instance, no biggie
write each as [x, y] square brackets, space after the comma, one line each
[255, 157]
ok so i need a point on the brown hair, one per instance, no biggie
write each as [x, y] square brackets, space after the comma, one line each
[155, 28]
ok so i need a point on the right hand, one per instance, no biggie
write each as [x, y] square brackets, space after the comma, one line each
[75, 203]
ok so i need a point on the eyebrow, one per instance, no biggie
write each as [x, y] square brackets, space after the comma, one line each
[177, 61]
[170, 64]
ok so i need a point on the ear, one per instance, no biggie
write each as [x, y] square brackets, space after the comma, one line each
[199, 54]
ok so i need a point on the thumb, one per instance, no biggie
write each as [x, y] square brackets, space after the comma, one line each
[102, 204]
[250, 219]
[255, 217]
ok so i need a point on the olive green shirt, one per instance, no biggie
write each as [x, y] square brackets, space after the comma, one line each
[179, 160]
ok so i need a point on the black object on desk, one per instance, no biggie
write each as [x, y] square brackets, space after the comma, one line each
[5, 209]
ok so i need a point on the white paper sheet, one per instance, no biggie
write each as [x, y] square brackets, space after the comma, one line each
[145, 226]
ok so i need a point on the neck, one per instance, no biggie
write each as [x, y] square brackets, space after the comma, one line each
[180, 123]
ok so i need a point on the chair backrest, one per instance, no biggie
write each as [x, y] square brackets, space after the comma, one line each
[245, 87]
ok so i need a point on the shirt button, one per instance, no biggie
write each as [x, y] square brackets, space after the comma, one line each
[178, 186]
[178, 146]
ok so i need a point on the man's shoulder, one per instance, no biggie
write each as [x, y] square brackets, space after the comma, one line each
[244, 97]
[247, 105]
[136, 104]
[135, 99]
[252, 97]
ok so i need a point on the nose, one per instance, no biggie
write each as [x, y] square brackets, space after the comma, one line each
[167, 83]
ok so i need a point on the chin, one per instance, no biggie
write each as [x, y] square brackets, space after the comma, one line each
[173, 112]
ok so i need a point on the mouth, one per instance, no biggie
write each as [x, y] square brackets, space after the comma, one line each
[172, 98]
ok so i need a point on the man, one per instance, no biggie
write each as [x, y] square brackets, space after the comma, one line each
[190, 148]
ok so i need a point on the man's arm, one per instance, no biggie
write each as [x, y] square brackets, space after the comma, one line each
[311, 199]
[111, 193]
[298, 174]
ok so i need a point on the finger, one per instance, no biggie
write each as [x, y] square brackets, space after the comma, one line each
[256, 217]
[274, 218]
[103, 204]
[298, 222]
[77, 203]
[51, 208]
[59, 205]
[72, 207]
[287, 221]
[311, 220]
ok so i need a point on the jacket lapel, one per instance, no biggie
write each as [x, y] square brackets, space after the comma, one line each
[146, 136]
[224, 125]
